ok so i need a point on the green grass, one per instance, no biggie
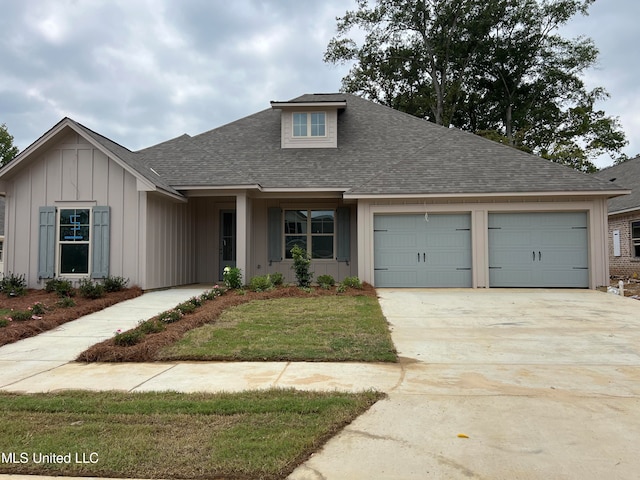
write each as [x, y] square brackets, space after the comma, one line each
[331, 328]
[260, 434]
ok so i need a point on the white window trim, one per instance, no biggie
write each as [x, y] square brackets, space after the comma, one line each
[308, 135]
[309, 234]
[634, 240]
[59, 242]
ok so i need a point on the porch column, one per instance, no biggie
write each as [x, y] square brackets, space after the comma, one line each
[243, 234]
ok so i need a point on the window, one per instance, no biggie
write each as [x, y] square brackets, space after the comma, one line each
[309, 124]
[635, 238]
[1, 251]
[312, 230]
[74, 241]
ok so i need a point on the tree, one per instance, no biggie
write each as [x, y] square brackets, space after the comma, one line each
[7, 150]
[494, 67]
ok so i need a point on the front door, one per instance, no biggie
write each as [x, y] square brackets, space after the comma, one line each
[227, 239]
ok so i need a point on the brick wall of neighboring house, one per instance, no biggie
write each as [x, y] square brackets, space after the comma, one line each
[626, 265]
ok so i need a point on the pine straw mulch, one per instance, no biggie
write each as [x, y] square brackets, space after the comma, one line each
[146, 350]
[54, 315]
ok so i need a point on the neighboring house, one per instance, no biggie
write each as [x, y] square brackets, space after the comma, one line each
[624, 219]
[367, 190]
[1, 236]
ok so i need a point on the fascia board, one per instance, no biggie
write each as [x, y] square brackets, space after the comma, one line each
[608, 194]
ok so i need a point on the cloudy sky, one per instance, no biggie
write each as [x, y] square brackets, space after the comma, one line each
[144, 71]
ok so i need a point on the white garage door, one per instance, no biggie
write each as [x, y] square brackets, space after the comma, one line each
[412, 252]
[538, 250]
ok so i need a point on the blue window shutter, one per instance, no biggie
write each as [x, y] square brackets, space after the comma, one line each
[100, 247]
[47, 242]
[344, 234]
[275, 234]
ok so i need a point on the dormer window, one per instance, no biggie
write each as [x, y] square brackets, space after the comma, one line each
[310, 121]
[309, 124]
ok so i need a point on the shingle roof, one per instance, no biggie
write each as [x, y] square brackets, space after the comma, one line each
[380, 151]
[625, 175]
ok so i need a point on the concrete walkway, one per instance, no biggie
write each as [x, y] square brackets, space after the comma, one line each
[544, 383]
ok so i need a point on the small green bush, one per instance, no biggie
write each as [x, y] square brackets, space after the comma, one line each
[211, 294]
[89, 289]
[170, 316]
[151, 326]
[128, 338]
[115, 284]
[260, 283]
[38, 308]
[63, 288]
[3, 322]
[66, 302]
[21, 315]
[186, 307]
[196, 301]
[352, 282]
[13, 285]
[232, 277]
[326, 281]
[277, 279]
[301, 265]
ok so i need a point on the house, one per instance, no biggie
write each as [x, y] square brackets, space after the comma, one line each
[624, 219]
[2, 203]
[367, 190]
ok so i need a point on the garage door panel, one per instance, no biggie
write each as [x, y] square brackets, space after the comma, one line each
[538, 249]
[438, 254]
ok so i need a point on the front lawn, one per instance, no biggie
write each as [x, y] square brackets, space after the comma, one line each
[257, 435]
[328, 328]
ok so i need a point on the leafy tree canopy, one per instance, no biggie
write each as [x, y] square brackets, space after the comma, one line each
[498, 68]
[7, 150]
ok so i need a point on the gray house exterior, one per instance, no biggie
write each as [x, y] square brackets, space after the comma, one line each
[367, 190]
[624, 219]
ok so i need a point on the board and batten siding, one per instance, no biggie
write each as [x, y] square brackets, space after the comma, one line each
[259, 248]
[73, 172]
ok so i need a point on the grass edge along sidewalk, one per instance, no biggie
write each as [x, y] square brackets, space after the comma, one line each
[255, 434]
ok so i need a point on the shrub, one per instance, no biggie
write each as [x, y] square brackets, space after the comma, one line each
[301, 265]
[115, 284]
[89, 289]
[13, 285]
[352, 282]
[277, 279]
[211, 294]
[3, 322]
[185, 307]
[128, 338]
[261, 283]
[196, 301]
[66, 302]
[63, 288]
[170, 316]
[38, 308]
[21, 315]
[232, 277]
[326, 281]
[151, 326]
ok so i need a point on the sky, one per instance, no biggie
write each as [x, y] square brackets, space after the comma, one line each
[144, 71]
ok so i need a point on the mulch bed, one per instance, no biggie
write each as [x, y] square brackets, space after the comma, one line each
[54, 316]
[146, 350]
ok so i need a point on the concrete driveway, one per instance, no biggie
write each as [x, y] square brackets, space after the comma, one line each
[544, 383]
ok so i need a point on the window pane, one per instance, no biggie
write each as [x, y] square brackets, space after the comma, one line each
[317, 124]
[322, 246]
[635, 230]
[74, 233]
[74, 258]
[295, 221]
[299, 124]
[322, 221]
[291, 241]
